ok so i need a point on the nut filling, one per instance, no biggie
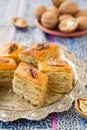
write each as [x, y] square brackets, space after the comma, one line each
[40, 46]
[56, 62]
[12, 48]
[30, 71]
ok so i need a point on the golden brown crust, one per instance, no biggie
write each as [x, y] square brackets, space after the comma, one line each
[39, 52]
[11, 50]
[56, 66]
[22, 73]
[7, 63]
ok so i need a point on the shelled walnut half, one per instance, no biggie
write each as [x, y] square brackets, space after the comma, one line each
[31, 71]
[81, 106]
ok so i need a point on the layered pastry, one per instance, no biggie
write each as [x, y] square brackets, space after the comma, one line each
[59, 73]
[11, 50]
[7, 68]
[30, 83]
[39, 52]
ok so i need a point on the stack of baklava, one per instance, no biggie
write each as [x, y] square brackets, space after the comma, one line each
[59, 73]
[40, 70]
[40, 52]
[30, 83]
[7, 68]
[8, 61]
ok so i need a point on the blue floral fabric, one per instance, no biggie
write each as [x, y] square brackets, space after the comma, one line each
[69, 120]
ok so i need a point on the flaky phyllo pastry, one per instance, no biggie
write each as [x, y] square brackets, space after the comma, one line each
[39, 52]
[59, 73]
[30, 83]
[11, 50]
[7, 68]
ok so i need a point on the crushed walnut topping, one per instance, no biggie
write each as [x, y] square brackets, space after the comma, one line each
[4, 60]
[31, 71]
[12, 48]
[56, 62]
[40, 46]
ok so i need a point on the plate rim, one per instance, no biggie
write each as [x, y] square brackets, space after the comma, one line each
[38, 114]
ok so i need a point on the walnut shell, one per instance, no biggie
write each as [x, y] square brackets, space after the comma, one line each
[81, 12]
[78, 105]
[52, 8]
[68, 8]
[68, 25]
[64, 16]
[82, 22]
[19, 22]
[49, 20]
[57, 3]
[39, 10]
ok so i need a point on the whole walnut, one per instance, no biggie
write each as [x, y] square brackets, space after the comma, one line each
[68, 8]
[82, 22]
[54, 9]
[49, 20]
[81, 12]
[57, 3]
[39, 10]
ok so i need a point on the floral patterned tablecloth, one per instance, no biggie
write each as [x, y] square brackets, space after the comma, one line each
[69, 120]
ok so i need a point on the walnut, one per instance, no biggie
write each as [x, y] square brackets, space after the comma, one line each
[12, 48]
[56, 62]
[20, 22]
[40, 46]
[46, 45]
[31, 71]
[4, 60]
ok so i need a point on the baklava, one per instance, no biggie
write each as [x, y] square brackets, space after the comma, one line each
[39, 52]
[30, 84]
[59, 75]
[11, 50]
[7, 68]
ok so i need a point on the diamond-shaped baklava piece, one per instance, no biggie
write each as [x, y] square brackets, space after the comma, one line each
[11, 50]
[59, 73]
[39, 52]
[30, 83]
[7, 68]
